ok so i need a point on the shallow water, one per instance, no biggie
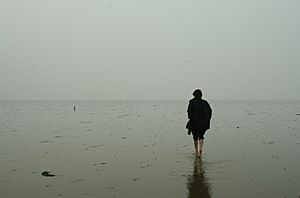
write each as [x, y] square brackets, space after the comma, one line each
[141, 149]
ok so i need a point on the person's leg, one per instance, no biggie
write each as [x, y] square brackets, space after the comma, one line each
[196, 146]
[196, 142]
[201, 142]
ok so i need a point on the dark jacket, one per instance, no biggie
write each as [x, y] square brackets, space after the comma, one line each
[199, 114]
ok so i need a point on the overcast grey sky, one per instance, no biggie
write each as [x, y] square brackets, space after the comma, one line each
[149, 49]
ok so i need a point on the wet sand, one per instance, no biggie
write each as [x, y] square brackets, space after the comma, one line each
[141, 149]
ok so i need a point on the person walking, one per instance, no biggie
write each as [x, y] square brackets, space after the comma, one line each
[199, 115]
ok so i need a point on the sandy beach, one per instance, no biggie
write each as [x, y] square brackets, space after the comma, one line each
[141, 149]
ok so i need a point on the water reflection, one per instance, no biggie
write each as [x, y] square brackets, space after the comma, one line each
[197, 184]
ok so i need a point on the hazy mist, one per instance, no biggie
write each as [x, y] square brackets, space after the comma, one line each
[149, 49]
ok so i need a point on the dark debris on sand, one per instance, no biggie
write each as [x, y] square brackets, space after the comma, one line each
[100, 163]
[47, 174]
[135, 179]
[269, 142]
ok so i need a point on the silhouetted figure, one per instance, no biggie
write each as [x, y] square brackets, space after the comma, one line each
[74, 108]
[197, 184]
[199, 114]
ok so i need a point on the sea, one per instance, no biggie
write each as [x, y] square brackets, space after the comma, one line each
[140, 148]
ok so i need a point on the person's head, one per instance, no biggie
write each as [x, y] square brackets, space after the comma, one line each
[197, 93]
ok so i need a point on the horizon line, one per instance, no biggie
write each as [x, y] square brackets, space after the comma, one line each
[216, 99]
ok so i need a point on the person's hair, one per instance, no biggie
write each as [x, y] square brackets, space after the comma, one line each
[197, 93]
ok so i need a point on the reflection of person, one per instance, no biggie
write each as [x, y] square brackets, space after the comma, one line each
[199, 114]
[197, 185]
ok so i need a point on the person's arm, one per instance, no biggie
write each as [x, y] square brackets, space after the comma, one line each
[209, 110]
[190, 111]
